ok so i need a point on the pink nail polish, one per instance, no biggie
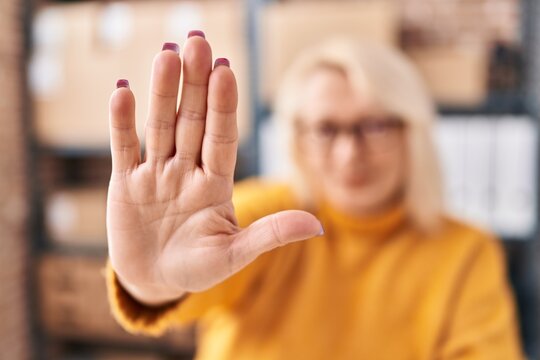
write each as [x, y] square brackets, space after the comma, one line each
[122, 83]
[196, 33]
[222, 61]
[171, 46]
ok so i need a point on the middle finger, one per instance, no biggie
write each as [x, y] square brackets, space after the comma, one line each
[192, 110]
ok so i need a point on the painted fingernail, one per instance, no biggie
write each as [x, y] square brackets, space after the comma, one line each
[222, 61]
[122, 83]
[171, 46]
[196, 33]
[321, 233]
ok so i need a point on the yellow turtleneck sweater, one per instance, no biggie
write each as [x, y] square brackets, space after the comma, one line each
[371, 288]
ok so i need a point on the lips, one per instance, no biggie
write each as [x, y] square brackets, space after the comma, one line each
[355, 181]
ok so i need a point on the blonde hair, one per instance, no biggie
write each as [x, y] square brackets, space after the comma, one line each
[393, 82]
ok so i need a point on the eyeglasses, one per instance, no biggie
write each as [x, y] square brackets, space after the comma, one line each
[377, 134]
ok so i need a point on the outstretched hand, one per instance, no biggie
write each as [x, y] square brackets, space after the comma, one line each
[170, 220]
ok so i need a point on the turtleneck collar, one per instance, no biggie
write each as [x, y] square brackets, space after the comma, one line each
[373, 225]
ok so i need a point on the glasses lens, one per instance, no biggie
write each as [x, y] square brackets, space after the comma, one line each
[381, 134]
[325, 132]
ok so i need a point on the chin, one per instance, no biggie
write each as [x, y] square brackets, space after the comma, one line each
[357, 202]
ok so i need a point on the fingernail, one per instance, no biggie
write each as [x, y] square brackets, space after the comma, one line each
[222, 61]
[321, 233]
[171, 46]
[122, 83]
[196, 33]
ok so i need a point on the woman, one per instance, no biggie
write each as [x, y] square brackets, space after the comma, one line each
[389, 277]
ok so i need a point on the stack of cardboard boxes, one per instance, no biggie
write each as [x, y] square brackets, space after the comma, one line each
[450, 41]
[81, 49]
[74, 306]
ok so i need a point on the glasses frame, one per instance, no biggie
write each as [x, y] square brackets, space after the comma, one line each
[377, 133]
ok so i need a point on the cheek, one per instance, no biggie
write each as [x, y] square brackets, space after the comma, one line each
[391, 172]
[312, 161]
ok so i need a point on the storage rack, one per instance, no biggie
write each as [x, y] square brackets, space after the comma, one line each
[521, 253]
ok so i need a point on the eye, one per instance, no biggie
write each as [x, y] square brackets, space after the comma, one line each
[376, 127]
[326, 130]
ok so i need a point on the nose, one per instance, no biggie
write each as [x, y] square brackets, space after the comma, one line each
[348, 148]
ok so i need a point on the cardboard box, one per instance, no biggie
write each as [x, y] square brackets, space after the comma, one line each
[455, 75]
[77, 216]
[446, 22]
[73, 305]
[81, 49]
[288, 28]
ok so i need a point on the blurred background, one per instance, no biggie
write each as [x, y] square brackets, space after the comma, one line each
[59, 61]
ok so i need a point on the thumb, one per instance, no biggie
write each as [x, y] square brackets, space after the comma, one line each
[271, 232]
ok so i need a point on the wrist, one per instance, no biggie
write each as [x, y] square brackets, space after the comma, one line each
[152, 295]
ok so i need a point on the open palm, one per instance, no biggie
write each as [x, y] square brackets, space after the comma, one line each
[170, 220]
